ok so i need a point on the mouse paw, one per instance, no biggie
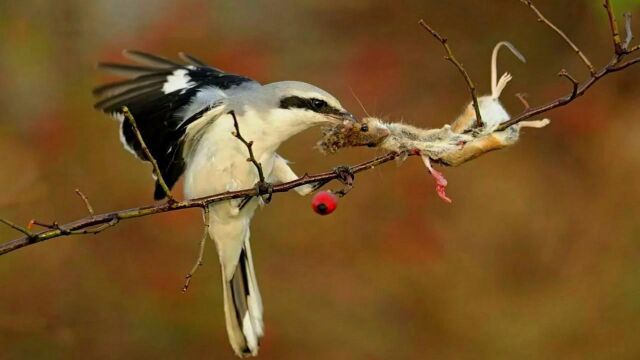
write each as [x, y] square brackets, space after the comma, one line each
[441, 182]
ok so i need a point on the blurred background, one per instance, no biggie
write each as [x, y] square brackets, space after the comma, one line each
[537, 257]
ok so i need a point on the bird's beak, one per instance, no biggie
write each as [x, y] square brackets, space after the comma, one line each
[347, 116]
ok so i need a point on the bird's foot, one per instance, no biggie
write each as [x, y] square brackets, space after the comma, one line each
[264, 188]
[346, 177]
[264, 191]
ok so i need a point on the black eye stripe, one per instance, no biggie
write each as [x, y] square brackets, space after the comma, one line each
[316, 105]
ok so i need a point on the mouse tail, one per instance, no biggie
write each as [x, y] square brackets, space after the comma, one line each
[498, 86]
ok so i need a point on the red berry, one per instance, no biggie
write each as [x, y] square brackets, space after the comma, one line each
[324, 202]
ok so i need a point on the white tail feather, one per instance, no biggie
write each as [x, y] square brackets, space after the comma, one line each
[243, 306]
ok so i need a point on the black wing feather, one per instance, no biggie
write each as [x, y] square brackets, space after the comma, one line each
[111, 89]
[191, 59]
[150, 59]
[157, 112]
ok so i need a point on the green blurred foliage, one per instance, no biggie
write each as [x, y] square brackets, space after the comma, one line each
[536, 258]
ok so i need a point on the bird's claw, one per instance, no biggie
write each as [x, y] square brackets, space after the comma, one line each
[264, 188]
[346, 177]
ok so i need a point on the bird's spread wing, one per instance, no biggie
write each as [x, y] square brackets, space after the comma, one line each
[165, 97]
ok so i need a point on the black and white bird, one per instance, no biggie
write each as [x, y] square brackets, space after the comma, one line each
[183, 114]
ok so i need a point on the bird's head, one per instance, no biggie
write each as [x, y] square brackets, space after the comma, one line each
[305, 104]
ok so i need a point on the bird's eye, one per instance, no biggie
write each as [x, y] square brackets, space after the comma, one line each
[318, 104]
[364, 128]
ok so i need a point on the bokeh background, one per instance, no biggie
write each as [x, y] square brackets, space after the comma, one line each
[538, 256]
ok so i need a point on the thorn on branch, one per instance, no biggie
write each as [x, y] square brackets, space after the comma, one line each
[574, 93]
[542, 18]
[85, 199]
[18, 228]
[451, 58]
[147, 154]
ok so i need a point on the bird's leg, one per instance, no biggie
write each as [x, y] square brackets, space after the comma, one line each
[346, 177]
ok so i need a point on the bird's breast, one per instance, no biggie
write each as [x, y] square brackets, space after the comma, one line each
[219, 163]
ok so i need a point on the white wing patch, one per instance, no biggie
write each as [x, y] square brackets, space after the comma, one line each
[177, 81]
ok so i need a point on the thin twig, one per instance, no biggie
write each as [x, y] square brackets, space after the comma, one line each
[147, 153]
[28, 233]
[565, 74]
[99, 222]
[248, 144]
[613, 25]
[262, 186]
[454, 61]
[616, 64]
[543, 19]
[628, 30]
[87, 224]
[624, 65]
[523, 99]
[85, 199]
[203, 240]
[41, 224]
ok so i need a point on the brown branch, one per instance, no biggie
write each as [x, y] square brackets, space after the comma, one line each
[613, 25]
[624, 65]
[460, 67]
[612, 67]
[544, 20]
[96, 223]
[147, 153]
[616, 64]
[99, 222]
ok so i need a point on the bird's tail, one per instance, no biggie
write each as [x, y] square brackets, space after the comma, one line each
[243, 306]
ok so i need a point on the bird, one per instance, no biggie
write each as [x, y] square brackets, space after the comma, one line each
[185, 112]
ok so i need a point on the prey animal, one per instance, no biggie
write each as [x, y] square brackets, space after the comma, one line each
[186, 112]
[452, 144]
